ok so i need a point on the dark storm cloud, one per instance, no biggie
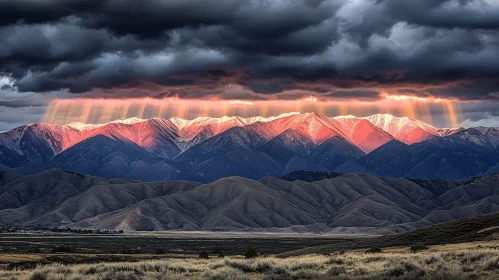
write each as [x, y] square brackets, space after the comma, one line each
[447, 14]
[478, 90]
[198, 48]
[34, 11]
[152, 17]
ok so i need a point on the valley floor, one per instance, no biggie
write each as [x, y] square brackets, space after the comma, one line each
[477, 260]
[172, 243]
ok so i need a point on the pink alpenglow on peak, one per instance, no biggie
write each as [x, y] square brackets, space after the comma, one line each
[406, 130]
[363, 133]
[169, 137]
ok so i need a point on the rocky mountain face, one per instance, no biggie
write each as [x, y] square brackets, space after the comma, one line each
[206, 149]
[300, 201]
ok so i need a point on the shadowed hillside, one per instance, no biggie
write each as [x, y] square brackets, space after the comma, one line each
[311, 202]
[479, 228]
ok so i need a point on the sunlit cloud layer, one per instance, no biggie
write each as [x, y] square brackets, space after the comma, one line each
[63, 111]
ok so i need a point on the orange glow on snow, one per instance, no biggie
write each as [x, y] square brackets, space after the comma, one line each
[241, 102]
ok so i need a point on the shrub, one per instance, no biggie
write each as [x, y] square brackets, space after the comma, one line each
[217, 251]
[416, 248]
[226, 273]
[374, 251]
[492, 264]
[277, 273]
[35, 251]
[243, 266]
[37, 275]
[467, 268]
[475, 256]
[307, 274]
[204, 255]
[446, 275]
[335, 271]
[264, 266]
[403, 268]
[431, 259]
[62, 249]
[305, 266]
[360, 271]
[374, 259]
[160, 251]
[120, 275]
[250, 253]
[179, 269]
[338, 261]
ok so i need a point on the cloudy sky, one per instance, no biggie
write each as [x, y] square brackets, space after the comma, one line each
[250, 50]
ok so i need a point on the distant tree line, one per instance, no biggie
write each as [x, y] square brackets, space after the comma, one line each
[15, 229]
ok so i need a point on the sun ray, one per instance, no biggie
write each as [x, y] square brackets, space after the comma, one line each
[105, 110]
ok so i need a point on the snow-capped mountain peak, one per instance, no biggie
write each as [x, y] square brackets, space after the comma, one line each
[169, 137]
[83, 126]
[405, 129]
[130, 120]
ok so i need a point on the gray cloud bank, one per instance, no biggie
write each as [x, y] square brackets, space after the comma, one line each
[443, 48]
[333, 49]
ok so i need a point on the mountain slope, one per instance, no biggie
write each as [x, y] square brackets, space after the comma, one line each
[108, 198]
[446, 157]
[106, 157]
[479, 228]
[286, 145]
[382, 154]
[164, 137]
[406, 130]
[35, 142]
[239, 203]
[206, 149]
[362, 133]
[335, 151]
[156, 135]
[193, 132]
[234, 139]
[247, 164]
[29, 196]
[313, 126]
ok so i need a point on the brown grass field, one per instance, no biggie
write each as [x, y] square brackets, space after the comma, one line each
[473, 260]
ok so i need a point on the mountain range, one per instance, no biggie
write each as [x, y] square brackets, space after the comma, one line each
[206, 149]
[300, 201]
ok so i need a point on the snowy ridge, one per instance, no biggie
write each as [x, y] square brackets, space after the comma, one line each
[363, 133]
[170, 137]
[83, 126]
[206, 149]
[404, 129]
[389, 122]
[133, 120]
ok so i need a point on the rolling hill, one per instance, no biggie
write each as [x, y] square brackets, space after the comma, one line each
[321, 202]
[477, 228]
